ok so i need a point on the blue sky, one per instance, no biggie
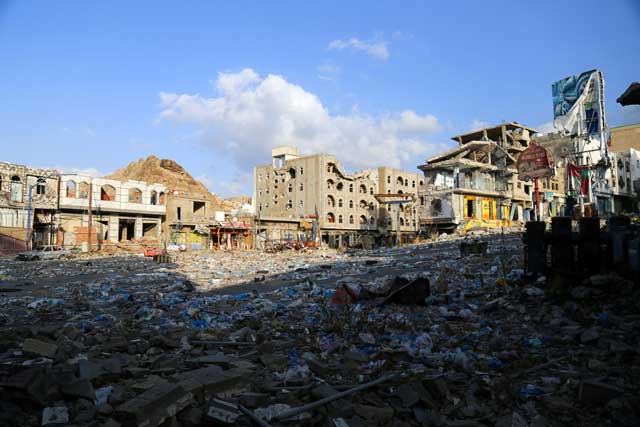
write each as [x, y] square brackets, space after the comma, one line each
[214, 85]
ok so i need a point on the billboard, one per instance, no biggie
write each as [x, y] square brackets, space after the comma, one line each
[578, 104]
[534, 162]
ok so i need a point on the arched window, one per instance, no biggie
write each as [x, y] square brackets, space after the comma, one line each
[350, 219]
[83, 190]
[401, 222]
[362, 189]
[16, 189]
[339, 203]
[421, 183]
[413, 184]
[388, 179]
[350, 188]
[135, 195]
[363, 220]
[71, 189]
[331, 218]
[421, 200]
[301, 187]
[371, 190]
[300, 203]
[339, 219]
[107, 193]
[406, 182]
[400, 192]
[330, 167]
[363, 204]
[290, 188]
[330, 184]
[301, 170]
[400, 180]
[331, 201]
[289, 204]
[350, 204]
[340, 186]
[372, 221]
[292, 173]
[154, 197]
[162, 198]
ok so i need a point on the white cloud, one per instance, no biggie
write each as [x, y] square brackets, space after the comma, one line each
[230, 83]
[375, 49]
[478, 124]
[93, 172]
[546, 127]
[240, 185]
[244, 124]
[328, 71]
[85, 171]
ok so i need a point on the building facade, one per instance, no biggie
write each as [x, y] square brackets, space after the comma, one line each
[478, 180]
[294, 189]
[15, 182]
[625, 137]
[625, 180]
[120, 211]
[190, 219]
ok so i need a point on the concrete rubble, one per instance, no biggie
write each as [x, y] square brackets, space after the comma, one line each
[412, 336]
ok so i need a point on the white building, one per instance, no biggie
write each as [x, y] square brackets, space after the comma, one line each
[121, 210]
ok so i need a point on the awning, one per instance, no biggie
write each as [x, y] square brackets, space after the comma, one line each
[631, 96]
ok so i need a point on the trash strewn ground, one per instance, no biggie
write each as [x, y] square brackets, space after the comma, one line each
[411, 336]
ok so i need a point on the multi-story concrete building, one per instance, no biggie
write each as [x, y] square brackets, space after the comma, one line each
[625, 137]
[15, 181]
[294, 189]
[120, 210]
[625, 180]
[478, 180]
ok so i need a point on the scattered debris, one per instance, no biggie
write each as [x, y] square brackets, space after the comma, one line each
[408, 336]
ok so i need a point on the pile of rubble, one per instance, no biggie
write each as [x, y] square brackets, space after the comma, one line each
[412, 336]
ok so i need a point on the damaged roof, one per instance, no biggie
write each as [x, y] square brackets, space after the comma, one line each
[494, 133]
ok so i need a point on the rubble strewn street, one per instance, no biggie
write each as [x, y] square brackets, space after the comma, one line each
[314, 338]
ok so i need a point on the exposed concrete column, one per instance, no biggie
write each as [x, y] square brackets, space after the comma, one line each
[113, 228]
[137, 229]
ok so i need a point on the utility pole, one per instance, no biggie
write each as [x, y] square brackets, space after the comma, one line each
[90, 213]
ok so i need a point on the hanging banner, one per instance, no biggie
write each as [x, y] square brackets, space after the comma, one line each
[576, 104]
[534, 162]
[579, 176]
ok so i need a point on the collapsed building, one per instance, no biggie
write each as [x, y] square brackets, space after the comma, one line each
[17, 183]
[313, 197]
[478, 180]
[117, 211]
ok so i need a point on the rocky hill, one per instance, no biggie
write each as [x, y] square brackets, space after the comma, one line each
[166, 172]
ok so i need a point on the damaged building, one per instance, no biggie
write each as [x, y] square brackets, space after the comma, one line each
[302, 197]
[15, 182]
[478, 180]
[120, 211]
[190, 219]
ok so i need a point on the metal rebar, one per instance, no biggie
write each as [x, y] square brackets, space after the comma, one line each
[254, 417]
[300, 409]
